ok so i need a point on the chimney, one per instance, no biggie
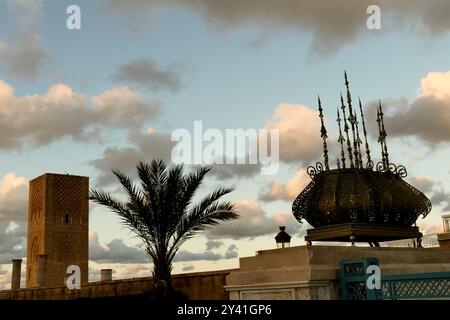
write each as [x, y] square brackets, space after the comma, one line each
[16, 270]
[105, 275]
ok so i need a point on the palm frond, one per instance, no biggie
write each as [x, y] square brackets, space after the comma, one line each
[210, 200]
[131, 220]
[135, 198]
[190, 184]
[207, 213]
[160, 211]
[211, 216]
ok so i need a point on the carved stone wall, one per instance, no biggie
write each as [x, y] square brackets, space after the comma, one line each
[308, 290]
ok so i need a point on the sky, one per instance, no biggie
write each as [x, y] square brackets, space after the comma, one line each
[84, 101]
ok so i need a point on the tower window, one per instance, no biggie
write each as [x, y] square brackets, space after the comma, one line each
[66, 218]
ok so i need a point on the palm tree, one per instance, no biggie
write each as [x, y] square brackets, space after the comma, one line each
[161, 212]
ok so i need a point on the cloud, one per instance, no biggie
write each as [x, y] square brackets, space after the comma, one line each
[188, 267]
[115, 251]
[5, 280]
[26, 13]
[184, 255]
[145, 147]
[428, 229]
[289, 191]
[120, 270]
[25, 58]
[61, 112]
[427, 117]
[208, 254]
[229, 171]
[423, 184]
[441, 197]
[253, 222]
[31, 6]
[13, 198]
[12, 241]
[146, 73]
[231, 252]
[214, 244]
[438, 196]
[292, 121]
[330, 24]
[299, 132]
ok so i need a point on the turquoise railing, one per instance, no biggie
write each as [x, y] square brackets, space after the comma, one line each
[434, 285]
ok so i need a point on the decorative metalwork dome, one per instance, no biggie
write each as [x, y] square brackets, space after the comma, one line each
[357, 191]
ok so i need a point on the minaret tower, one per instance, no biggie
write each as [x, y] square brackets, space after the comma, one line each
[58, 229]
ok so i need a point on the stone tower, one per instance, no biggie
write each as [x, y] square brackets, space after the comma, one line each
[58, 229]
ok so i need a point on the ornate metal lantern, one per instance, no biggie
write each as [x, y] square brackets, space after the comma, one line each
[358, 201]
[283, 239]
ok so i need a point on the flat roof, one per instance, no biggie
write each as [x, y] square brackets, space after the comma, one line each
[58, 174]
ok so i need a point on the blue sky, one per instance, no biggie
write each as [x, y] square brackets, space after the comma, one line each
[231, 66]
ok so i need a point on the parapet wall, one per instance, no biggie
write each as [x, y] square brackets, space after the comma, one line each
[196, 286]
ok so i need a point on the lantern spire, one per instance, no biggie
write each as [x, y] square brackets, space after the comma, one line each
[352, 120]
[341, 139]
[346, 128]
[323, 134]
[369, 160]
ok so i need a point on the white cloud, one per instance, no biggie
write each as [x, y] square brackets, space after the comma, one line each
[120, 270]
[253, 222]
[144, 147]
[426, 118]
[300, 142]
[13, 198]
[427, 229]
[423, 184]
[299, 129]
[289, 191]
[436, 84]
[61, 112]
[12, 241]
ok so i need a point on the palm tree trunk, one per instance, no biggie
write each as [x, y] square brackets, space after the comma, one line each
[162, 271]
